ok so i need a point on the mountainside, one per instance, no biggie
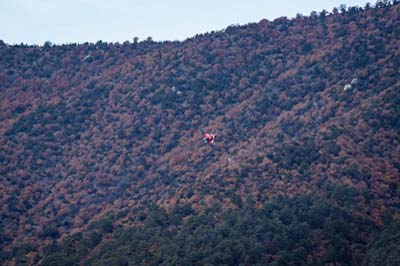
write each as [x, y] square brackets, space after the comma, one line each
[102, 160]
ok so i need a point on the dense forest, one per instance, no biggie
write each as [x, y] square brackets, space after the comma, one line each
[102, 160]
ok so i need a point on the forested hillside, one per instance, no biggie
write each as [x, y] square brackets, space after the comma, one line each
[102, 160]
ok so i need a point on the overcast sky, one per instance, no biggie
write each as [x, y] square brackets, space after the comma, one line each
[70, 21]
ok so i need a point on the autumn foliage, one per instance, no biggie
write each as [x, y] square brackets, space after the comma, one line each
[97, 138]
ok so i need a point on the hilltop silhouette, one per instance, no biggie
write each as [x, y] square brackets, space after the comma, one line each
[102, 160]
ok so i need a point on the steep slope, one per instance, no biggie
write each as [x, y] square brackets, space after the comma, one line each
[101, 138]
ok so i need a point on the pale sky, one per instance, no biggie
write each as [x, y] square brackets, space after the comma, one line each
[79, 21]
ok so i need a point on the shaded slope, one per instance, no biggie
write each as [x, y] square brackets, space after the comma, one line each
[82, 136]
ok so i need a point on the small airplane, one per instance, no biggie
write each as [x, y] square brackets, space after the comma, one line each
[209, 138]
